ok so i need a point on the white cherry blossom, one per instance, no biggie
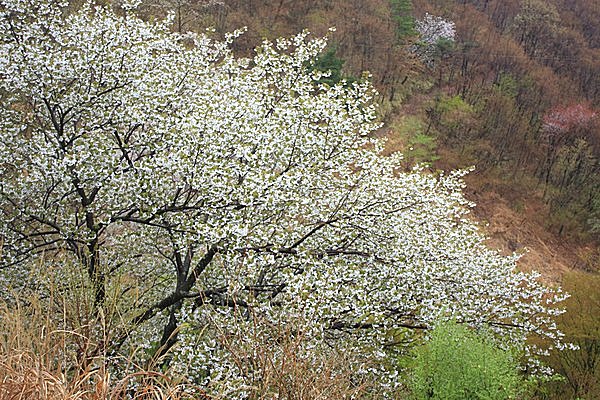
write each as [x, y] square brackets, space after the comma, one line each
[220, 186]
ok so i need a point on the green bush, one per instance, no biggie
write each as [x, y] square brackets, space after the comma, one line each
[409, 138]
[402, 16]
[330, 62]
[458, 364]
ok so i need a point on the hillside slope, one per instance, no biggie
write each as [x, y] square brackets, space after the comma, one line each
[516, 95]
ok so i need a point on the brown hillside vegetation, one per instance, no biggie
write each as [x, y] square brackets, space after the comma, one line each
[513, 63]
[517, 225]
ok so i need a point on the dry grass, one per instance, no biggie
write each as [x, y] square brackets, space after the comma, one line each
[277, 366]
[56, 347]
[42, 360]
[39, 360]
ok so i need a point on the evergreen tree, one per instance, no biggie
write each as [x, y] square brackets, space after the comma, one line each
[402, 15]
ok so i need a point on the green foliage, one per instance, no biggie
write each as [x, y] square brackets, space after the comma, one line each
[459, 364]
[417, 147]
[453, 117]
[422, 148]
[402, 16]
[330, 62]
[443, 48]
[507, 85]
[448, 105]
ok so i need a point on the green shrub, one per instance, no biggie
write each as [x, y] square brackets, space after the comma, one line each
[454, 118]
[409, 138]
[402, 16]
[458, 364]
[330, 62]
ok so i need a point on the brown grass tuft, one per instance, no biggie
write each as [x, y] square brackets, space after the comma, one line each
[41, 361]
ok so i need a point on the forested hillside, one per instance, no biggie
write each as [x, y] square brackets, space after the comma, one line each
[299, 199]
[516, 94]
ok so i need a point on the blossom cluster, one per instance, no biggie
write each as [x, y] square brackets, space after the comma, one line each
[432, 29]
[212, 186]
[435, 34]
